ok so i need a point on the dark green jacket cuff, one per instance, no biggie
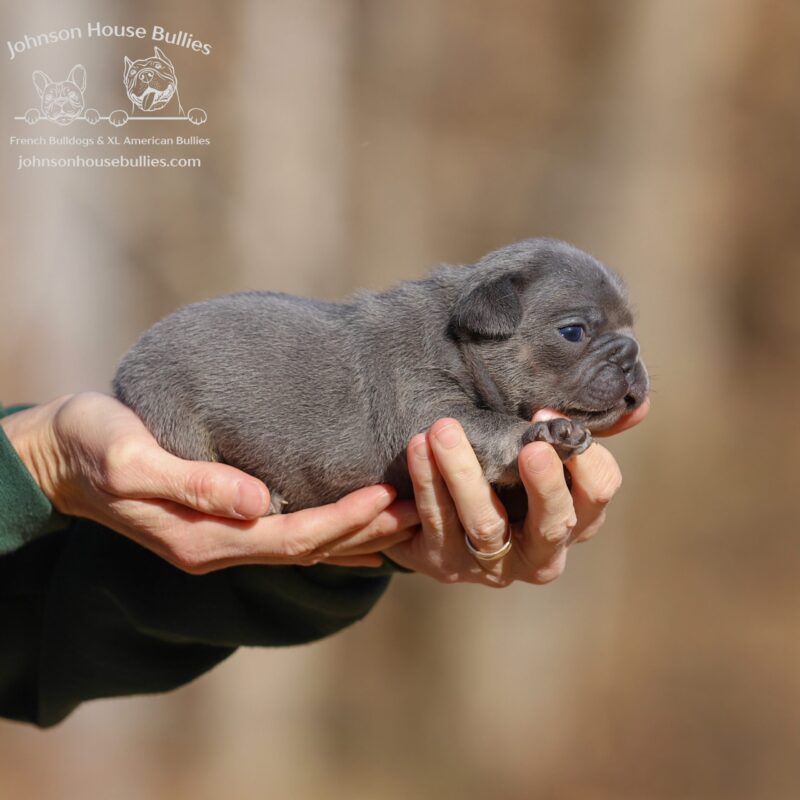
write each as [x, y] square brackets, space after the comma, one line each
[25, 512]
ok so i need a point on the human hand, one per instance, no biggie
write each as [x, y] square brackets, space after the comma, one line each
[453, 497]
[94, 458]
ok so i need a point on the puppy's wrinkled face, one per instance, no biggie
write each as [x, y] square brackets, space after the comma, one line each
[576, 339]
[150, 82]
[554, 328]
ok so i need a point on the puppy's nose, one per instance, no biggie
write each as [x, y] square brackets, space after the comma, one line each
[625, 354]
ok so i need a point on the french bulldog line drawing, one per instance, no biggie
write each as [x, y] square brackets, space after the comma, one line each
[61, 102]
[151, 85]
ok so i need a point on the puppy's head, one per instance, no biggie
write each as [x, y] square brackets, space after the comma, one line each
[150, 82]
[62, 101]
[553, 327]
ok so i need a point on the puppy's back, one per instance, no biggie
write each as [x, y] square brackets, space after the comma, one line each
[244, 378]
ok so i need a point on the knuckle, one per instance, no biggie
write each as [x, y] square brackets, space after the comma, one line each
[439, 519]
[300, 547]
[487, 531]
[608, 490]
[199, 487]
[467, 473]
[448, 577]
[559, 530]
[121, 456]
[188, 559]
[548, 574]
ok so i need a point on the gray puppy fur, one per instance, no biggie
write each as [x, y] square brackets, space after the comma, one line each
[319, 398]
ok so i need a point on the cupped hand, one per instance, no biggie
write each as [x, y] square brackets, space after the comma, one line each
[94, 458]
[453, 499]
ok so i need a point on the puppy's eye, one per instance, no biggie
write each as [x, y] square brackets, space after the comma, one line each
[573, 333]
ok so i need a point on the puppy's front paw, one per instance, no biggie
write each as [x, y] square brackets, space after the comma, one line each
[92, 116]
[32, 116]
[118, 118]
[569, 437]
[197, 116]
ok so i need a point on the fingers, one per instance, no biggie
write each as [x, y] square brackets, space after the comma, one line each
[481, 513]
[389, 528]
[354, 519]
[541, 548]
[137, 469]
[435, 505]
[198, 543]
[596, 478]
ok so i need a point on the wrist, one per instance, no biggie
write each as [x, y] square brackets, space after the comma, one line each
[32, 435]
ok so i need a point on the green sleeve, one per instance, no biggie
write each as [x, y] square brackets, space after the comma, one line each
[87, 613]
[25, 513]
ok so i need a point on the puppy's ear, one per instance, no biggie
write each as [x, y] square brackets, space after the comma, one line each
[128, 65]
[41, 81]
[491, 310]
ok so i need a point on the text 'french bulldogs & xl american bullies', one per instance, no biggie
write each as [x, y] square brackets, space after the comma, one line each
[320, 398]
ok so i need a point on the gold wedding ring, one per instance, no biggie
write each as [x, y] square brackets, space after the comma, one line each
[481, 556]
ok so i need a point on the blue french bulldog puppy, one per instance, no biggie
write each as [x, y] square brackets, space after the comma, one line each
[320, 398]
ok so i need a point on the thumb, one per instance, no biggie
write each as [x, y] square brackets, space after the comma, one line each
[217, 489]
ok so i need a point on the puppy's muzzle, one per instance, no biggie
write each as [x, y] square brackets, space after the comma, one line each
[619, 376]
[624, 353]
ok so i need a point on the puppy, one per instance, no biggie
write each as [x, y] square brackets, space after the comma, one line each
[151, 83]
[61, 101]
[319, 398]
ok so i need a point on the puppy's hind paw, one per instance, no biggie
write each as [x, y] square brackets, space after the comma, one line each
[277, 503]
[568, 437]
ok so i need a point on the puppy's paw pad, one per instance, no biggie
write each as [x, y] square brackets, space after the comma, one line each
[32, 116]
[568, 437]
[197, 116]
[276, 503]
[118, 118]
[92, 116]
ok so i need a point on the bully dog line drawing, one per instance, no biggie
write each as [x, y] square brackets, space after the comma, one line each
[150, 84]
[61, 102]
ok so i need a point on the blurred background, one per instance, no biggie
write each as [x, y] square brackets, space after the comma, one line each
[355, 144]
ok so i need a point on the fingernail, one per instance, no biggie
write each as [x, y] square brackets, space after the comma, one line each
[250, 501]
[540, 459]
[449, 436]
